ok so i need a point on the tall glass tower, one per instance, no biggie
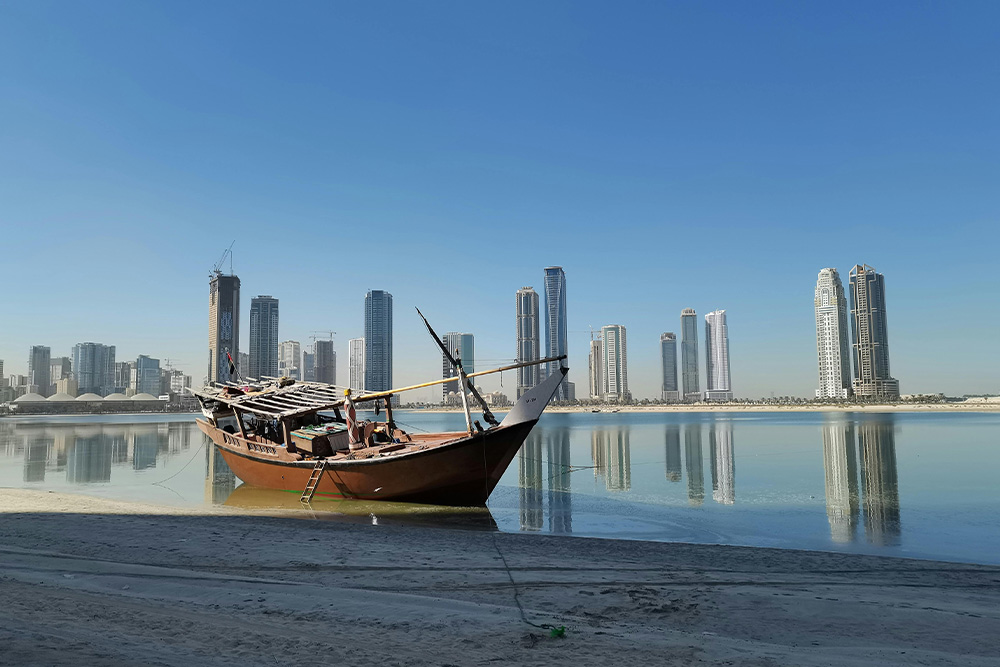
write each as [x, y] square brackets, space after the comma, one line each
[378, 341]
[720, 386]
[831, 336]
[463, 346]
[556, 328]
[668, 361]
[263, 337]
[869, 336]
[615, 367]
[689, 355]
[223, 326]
[528, 343]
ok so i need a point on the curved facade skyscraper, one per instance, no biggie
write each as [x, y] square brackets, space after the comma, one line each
[720, 387]
[556, 328]
[831, 336]
[689, 355]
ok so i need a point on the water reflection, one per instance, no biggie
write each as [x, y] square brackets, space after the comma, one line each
[220, 481]
[720, 437]
[840, 466]
[611, 453]
[673, 452]
[529, 482]
[879, 481]
[89, 452]
[560, 500]
[876, 444]
[694, 463]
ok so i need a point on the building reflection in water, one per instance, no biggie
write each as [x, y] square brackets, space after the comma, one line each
[879, 487]
[529, 482]
[560, 499]
[840, 467]
[673, 453]
[36, 455]
[720, 438]
[879, 481]
[219, 478]
[88, 452]
[694, 462]
[612, 458]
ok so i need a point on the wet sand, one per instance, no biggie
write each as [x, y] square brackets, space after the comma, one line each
[981, 406]
[99, 582]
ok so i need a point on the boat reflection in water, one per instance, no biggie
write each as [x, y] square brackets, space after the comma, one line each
[374, 512]
[219, 478]
[876, 450]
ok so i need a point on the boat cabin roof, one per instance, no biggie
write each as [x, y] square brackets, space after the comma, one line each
[275, 401]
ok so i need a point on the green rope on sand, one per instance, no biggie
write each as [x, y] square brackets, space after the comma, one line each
[558, 632]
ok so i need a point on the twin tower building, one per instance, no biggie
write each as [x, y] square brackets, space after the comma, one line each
[868, 345]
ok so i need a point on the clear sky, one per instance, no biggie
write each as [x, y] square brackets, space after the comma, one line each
[667, 154]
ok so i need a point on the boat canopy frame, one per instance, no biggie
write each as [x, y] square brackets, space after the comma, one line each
[300, 398]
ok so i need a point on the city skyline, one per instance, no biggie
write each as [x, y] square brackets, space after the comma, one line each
[755, 171]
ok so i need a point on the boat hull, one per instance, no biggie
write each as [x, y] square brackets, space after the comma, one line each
[463, 472]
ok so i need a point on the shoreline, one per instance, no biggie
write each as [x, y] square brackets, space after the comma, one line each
[917, 407]
[211, 586]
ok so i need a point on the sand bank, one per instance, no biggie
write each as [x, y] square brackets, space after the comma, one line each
[98, 582]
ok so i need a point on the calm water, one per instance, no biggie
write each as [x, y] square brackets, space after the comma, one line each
[921, 485]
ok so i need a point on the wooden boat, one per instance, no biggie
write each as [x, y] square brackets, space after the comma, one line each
[280, 434]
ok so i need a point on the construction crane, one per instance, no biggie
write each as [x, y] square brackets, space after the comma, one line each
[217, 269]
[325, 334]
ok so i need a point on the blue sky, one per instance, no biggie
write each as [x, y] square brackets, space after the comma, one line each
[668, 155]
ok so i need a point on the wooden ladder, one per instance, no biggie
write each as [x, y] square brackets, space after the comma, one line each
[317, 474]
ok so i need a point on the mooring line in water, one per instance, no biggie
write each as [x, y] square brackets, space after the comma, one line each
[160, 483]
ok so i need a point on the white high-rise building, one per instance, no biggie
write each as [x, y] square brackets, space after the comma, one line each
[832, 336]
[356, 352]
[289, 355]
[720, 386]
[596, 369]
[528, 339]
[615, 367]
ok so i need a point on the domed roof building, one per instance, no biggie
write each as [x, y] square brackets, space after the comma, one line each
[61, 397]
[116, 397]
[144, 397]
[89, 397]
[29, 398]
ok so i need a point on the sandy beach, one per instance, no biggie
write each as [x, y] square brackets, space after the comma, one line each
[99, 582]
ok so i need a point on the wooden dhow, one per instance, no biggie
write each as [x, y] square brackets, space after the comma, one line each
[305, 437]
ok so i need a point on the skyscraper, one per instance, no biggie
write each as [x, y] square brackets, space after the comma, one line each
[94, 368]
[556, 328]
[831, 336]
[596, 368]
[378, 341]
[147, 375]
[39, 369]
[689, 355]
[325, 361]
[869, 335]
[462, 345]
[615, 367]
[289, 358]
[263, 336]
[528, 347]
[720, 386]
[668, 361]
[309, 366]
[223, 326]
[356, 350]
